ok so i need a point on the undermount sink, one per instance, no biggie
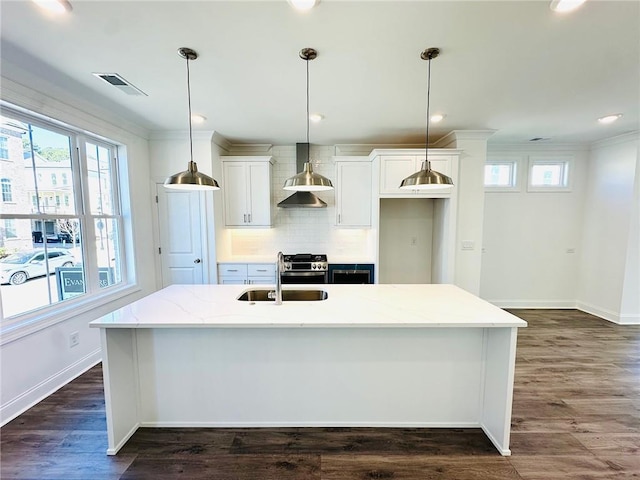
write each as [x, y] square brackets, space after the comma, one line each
[287, 295]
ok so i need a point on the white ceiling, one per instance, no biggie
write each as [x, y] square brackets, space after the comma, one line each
[513, 66]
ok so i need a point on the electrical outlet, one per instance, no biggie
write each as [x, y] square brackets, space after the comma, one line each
[74, 339]
[468, 245]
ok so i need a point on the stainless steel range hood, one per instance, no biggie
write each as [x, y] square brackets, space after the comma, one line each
[302, 199]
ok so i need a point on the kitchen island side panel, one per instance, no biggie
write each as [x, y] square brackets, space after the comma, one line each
[499, 374]
[120, 376]
[310, 377]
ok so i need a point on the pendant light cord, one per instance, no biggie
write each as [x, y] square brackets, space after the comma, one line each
[426, 143]
[308, 148]
[189, 102]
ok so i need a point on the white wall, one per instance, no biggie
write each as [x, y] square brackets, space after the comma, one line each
[608, 267]
[406, 240]
[37, 364]
[469, 224]
[527, 237]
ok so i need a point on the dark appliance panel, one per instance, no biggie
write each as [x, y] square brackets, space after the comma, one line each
[353, 273]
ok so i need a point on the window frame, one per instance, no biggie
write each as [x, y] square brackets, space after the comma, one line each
[516, 162]
[31, 321]
[566, 176]
[4, 147]
[6, 182]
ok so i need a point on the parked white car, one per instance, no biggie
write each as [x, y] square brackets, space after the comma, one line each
[21, 266]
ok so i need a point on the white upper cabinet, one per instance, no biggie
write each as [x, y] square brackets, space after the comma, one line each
[247, 191]
[353, 191]
[396, 166]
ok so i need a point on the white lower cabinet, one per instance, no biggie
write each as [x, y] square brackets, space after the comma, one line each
[246, 273]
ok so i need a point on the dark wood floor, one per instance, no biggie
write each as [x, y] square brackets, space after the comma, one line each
[576, 415]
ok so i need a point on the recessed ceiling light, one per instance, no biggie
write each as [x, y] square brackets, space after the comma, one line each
[562, 6]
[316, 117]
[54, 6]
[303, 5]
[610, 118]
[195, 118]
[438, 117]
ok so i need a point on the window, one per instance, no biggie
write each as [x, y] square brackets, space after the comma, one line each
[65, 237]
[549, 174]
[4, 148]
[501, 175]
[7, 195]
[9, 229]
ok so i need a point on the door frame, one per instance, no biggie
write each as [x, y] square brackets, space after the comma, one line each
[207, 234]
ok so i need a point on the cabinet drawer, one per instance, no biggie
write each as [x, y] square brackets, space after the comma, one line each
[261, 270]
[232, 269]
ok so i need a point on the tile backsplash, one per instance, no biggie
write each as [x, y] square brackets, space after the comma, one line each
[300, 230]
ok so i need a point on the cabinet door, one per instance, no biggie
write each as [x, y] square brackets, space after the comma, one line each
[440, 164]
[259, 194]
[395, 169]
[353, 194]
[235, 194]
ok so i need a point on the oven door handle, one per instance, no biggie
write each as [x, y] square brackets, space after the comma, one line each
[297, 273]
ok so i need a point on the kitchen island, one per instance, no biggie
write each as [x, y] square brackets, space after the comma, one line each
[368, 355]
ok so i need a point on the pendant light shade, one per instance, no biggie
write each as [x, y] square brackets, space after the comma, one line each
[308, 180]
[191, 178]
[425, 178]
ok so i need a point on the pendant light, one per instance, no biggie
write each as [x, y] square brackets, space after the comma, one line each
[190, 179]
[308, 180]
[427, 179]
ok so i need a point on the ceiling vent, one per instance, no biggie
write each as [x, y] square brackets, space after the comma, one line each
[120, 83]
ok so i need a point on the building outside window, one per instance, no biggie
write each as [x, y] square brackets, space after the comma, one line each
[7, 194]
[79, 219]
[9, 228]
[4, 148]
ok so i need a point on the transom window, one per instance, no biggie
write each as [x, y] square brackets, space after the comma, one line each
[501, 174]
[62, 238]
[549, 174]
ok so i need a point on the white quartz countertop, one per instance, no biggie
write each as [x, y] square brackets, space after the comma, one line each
[188, 306]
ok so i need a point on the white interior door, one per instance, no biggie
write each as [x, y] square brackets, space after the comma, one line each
[179, 222]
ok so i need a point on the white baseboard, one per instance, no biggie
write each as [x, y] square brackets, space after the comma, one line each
[614, 317]
[599, 312]
[28, 399]
[628, 319]
[535, 304]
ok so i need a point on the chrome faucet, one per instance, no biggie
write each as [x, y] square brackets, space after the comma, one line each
[279, 269]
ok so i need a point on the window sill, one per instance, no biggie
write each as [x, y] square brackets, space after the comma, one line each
[554, 189]
[40, 320]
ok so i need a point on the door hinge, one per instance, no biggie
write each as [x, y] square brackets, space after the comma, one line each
[156, 198]
[159, 251]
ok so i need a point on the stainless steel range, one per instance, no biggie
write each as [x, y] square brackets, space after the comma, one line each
[305, 268]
